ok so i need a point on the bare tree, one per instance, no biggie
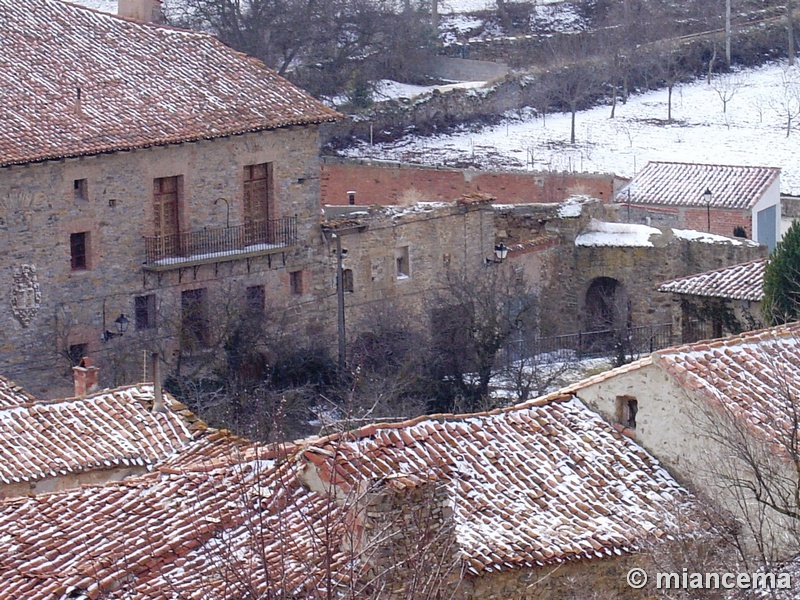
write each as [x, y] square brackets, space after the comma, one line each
[480, 313]
[787, 102]
[727, 86]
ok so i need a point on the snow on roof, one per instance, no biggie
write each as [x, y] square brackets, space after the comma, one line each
[166, 534]
[539, 483]
[601, 233]
[744, 281]
[12, 395]
[755, 375]
[112, 428]
[79, 82]
[683, 184]
[711, 238]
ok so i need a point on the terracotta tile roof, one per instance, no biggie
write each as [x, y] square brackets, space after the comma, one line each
[753, 375]
[112, 428]
[76, 82]
[225, 533]
[744, 281]
[13, 395]
[683, 184]
[545, 482]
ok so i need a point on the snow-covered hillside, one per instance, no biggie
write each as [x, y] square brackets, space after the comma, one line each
[751, 132]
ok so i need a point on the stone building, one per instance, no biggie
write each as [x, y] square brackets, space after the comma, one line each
[151, 180]
[716, 303]
[595, 273]
[541, 500]
[399, 257]
[727, 200]
[721, 416]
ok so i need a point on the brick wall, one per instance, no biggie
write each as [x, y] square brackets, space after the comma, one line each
[400, 183]
[723, 221]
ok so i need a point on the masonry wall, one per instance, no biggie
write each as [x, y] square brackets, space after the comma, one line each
[39, 210]
[679, 429]
[563, 272]
[432, 240]
[399, 183]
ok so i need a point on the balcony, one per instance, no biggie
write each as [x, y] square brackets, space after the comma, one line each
[219, 244]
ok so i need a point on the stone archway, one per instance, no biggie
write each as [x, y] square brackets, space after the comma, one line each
[606, 306]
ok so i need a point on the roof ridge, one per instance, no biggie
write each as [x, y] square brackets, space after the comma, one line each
[732, 340]
[370, 430]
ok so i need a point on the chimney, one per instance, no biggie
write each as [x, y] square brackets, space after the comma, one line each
[141, 10]
[84, 377]
[158, 397]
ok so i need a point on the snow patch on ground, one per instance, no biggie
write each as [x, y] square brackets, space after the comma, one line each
[751, 132]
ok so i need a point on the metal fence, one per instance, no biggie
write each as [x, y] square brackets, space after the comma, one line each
[632, 341]
[206, 243]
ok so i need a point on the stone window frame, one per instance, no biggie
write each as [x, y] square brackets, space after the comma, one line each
[347, 281]
[195, 329]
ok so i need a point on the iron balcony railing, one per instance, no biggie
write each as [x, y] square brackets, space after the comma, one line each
[222, 242]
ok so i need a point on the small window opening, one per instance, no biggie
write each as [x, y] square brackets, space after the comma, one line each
[76, 352]
[81, 189]
[296, 283]
[256, 299]
[627, 409]
[78, 247]
[145, 311]
[401, 259]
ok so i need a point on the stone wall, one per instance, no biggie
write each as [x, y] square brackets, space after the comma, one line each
[563, 272]
[39, 210]
[430, 239]
[403, 183]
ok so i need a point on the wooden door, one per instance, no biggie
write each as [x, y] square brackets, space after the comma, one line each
[165, 215]
[258, 207]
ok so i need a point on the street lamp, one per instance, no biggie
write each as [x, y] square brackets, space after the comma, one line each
[122, 323]
[707, 198]
[501, 251]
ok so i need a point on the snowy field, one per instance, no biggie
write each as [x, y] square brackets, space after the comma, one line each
[752, 131]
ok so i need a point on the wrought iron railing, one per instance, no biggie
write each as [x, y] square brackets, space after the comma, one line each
[634, 341]
[220, 242]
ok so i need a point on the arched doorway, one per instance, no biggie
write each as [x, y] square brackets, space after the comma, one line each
[606, 307]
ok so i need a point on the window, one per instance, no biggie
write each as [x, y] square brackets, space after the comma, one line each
[145, 311]
[347, 280]
[166, 221]
[194, 319]
[739, 232]
[80, 189]
[401, 258]
[258, 202]
[79, 250]
[256, 300]
[76, 352]
[351, 198]
[296, 283]
[627, 409]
